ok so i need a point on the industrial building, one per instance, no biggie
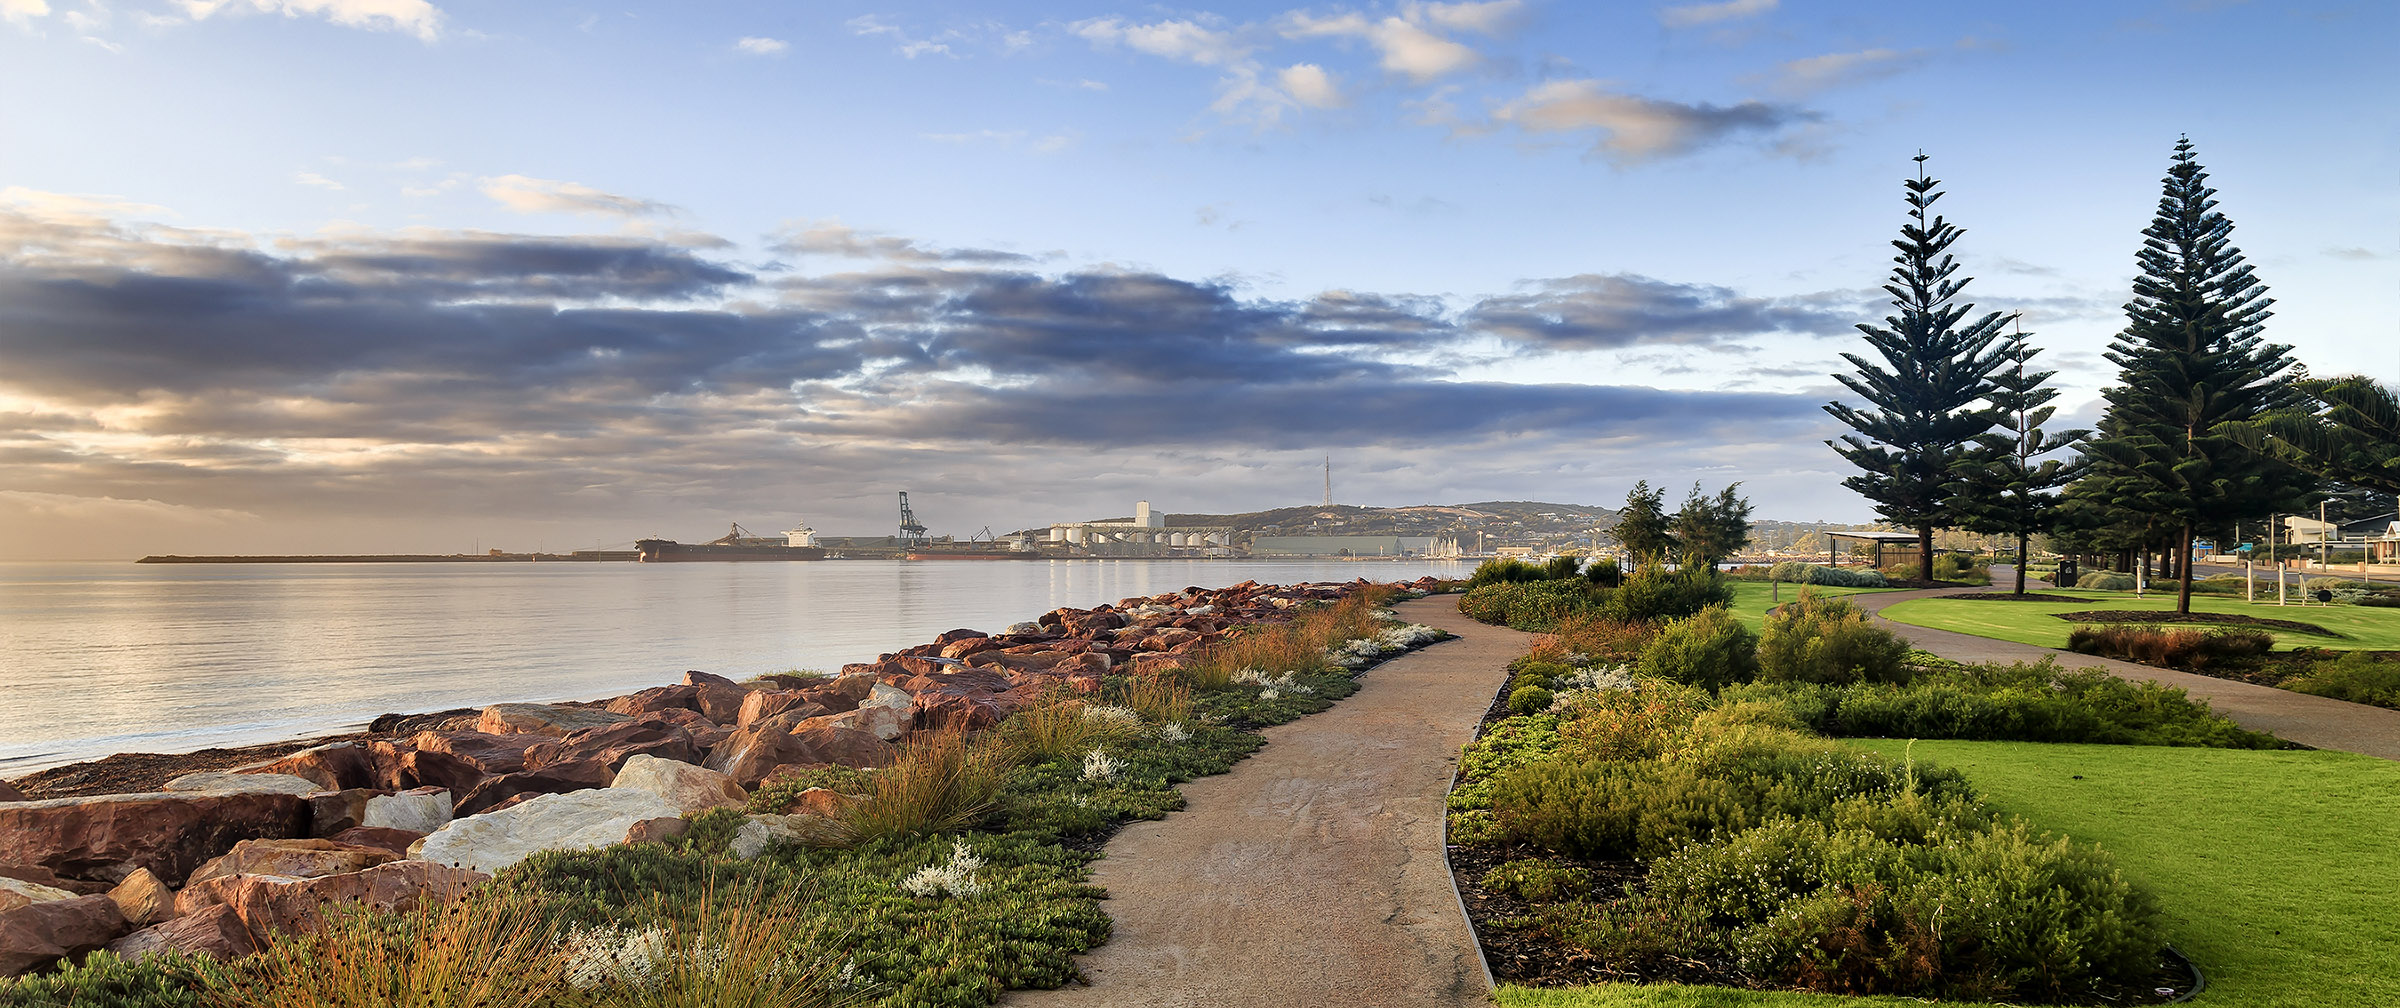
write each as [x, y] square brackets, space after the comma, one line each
[1342, 546]
[1147, 534]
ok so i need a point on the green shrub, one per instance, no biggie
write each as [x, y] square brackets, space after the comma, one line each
[1968, 912]
[2104, 581]
[1504, 570]
[2357, 677]
[1709, 649]
[1529, 700]
[1826, 640]
[1655, 593]
[1560, 568]
[1538, 881]
[1801, 572]
[1533, 606]
[1604, 572]
[2021, 702]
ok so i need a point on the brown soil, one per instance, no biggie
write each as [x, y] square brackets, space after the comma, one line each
[135, 773]
[2009, 597]
[2154, 616]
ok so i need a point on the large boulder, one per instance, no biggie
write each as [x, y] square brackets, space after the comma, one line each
[228, 782]
[395, 840]
[333, 766]
[751, 754]
[485, 751]
[690, 789]
[306, 858]
[657, 700]
[883, 722]
[577, 819]
[268, 904]
[420, 810]
[542, 719]
[15, 893]
[497, 792]
[38, 934]
[720, 699]
[611, 745]
[9, 793]
[143, 899]
[763, 704]
[214, 933]
[330, 812]
[104, 838]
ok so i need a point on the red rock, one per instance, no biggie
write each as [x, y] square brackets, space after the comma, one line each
[767, 703]
[541, 719]
[1156, 664]
[418, 768]
[987, 679]
[657, 699]
[9, 793]
[39, 934]
[970, 645]
[963, 711]
[611, 746]
[330, 812]
[295, 858]
[752, 753]
[143, 899]
[720, 698]
[334, 766]
[826, 802]
[658, 830]
[270, 903]
[214, 933]
[492, 754]
[394, 840]
[553, 778]
[105, 838]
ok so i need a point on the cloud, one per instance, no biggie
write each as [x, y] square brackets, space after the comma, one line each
[1310, 85]
[1816, 73]
[1493, 17]
[1633, 128]
[1176, 39]
[759, 45]
[1406, 47]
[869, 24]
[310, 178]
[1688, 15]
[24, 11]
[525, 194]
[414, 17]
[1606, 312]
[2356, 253]
[834, 238]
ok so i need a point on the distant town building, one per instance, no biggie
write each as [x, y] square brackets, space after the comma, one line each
[1349, 546]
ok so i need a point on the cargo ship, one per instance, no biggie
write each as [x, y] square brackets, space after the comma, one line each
[738, 544]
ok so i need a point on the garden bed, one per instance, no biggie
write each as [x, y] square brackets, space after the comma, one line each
[2011, 597]
[2216, 618]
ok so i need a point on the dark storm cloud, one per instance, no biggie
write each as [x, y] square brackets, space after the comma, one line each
[508, 267]
[1605, 312]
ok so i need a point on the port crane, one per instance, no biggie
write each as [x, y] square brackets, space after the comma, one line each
[912, 532]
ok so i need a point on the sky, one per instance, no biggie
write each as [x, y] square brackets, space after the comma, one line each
[405, 275]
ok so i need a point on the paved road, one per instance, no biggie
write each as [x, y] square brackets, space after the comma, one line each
[1313, 873]
[2309, 720]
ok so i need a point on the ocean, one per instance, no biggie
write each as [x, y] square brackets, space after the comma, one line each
[101, 658]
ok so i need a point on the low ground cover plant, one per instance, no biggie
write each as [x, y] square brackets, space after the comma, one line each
[955, 874]
[2032, 702]
[2356, 676]
[1513, 599]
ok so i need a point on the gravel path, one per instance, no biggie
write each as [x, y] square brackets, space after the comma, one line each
[2315, 721]
[1313, 873]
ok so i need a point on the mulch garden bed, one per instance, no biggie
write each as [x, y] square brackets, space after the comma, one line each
[2154, 616]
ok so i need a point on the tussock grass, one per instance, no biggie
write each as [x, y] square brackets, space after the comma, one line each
[1158, 698]
[941, 782]
[738, 952]
[478, 953]
[1056, 726]
[1295, 646]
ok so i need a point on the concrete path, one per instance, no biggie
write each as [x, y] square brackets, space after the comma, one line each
[2313, 721]
[1313, 873]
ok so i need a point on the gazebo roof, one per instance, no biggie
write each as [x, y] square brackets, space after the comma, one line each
[1874, 537]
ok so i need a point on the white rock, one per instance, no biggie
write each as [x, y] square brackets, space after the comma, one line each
[1024, 628]
[421, 812]
[595, 817]
[15, 893]
[887, 695]
[886, 723]
[751, 838]
[690, 789]
[223, 782]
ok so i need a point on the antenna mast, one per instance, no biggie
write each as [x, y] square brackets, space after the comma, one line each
[1328, 481]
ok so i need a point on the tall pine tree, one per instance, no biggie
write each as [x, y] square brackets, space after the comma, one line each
[2189, 359]
[1924, 400]
[2000, 486]
[1642, 526]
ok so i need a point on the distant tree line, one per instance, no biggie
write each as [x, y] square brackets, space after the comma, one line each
[2208, 426]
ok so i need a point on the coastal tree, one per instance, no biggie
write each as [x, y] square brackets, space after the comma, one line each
[2191, 359]
[1642, 525]
[2348, 431]
[1925, 396]
[2003, 484]
[1712, 529]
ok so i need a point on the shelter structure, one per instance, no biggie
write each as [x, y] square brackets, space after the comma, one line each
[1868, 544]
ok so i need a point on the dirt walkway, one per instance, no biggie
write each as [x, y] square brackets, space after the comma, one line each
[1313, 873]
[2309, 720]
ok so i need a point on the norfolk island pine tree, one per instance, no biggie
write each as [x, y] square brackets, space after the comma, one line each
[1925, 400]
[1999, 485]
[2190, 360]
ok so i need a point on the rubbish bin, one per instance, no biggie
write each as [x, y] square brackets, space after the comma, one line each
[2065, 578]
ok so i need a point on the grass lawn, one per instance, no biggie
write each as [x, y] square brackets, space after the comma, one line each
[1752, 599]
[2275, 868]
[2361, 627]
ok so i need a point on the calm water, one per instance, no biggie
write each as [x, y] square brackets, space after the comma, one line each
[99, 658]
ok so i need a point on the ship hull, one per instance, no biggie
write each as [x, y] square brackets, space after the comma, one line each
[664, 551]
